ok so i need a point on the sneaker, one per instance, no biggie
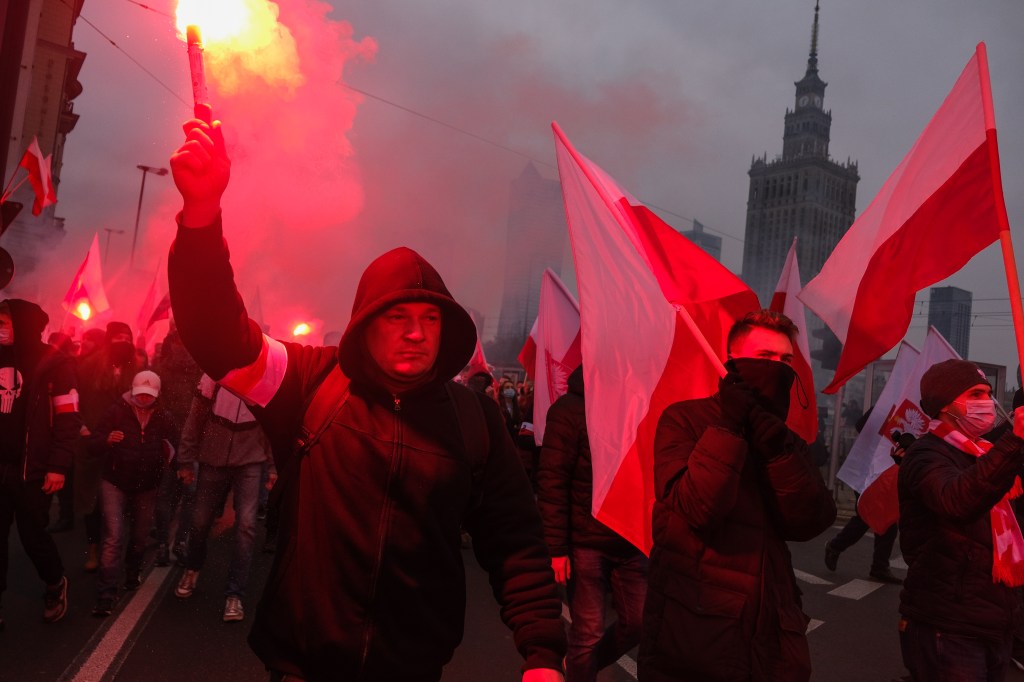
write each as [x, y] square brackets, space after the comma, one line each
[831, 556]
[233, 611]
[132, 580]
[104, 607]
[884, 575]
[187, 584]
[163, 555]
[55, 601]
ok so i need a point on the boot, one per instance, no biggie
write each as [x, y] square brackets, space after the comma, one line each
[92, 558]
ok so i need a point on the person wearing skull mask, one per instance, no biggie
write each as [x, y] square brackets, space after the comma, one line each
[104, 376]
[960, 539]
[39, 425]
[732, 485]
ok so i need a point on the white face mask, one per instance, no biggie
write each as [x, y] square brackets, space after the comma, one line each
[6, 337]
[978, 418]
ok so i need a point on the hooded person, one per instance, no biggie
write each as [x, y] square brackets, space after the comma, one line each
[732, 485]
[368, 581]
[960, 539]
[39, 425]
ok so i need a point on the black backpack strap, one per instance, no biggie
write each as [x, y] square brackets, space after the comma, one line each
[469, 415]
[326, 402]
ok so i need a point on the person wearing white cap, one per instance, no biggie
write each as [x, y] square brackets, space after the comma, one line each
[135, 439]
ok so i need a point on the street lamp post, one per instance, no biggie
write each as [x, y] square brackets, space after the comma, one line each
[106, 248]
[138, 213]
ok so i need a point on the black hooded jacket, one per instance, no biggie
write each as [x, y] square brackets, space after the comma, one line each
[41, 374]
[369, 583]
[565, 480]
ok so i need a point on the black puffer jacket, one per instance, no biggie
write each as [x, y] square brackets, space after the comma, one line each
[370, 584]
[946, 536]
[565, 480]
[721, 583]
[136, 463]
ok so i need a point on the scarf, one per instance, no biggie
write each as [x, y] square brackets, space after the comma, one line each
[1007, 542]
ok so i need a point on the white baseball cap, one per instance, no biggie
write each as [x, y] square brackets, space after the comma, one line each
[146, 382]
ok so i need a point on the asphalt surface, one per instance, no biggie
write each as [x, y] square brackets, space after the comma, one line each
[155, 636]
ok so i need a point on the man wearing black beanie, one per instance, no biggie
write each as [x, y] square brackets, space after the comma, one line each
[962, 544]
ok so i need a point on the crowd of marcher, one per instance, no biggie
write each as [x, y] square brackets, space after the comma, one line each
[375, 470]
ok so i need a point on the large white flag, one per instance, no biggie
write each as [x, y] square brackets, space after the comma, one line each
[897, 409]
[639, 280]
[557, 337]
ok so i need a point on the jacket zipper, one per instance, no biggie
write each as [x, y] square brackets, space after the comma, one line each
[382, 528]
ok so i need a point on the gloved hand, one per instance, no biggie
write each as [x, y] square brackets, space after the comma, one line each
[767, 433]
[737, 398]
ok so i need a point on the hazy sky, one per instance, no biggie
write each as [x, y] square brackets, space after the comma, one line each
[672, 98]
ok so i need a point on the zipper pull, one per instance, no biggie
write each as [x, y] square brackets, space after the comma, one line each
[398, 403]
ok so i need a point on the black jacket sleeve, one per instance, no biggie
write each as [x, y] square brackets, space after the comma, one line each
[208, 309]
[555, 470]
[804, 505]
[961, 494]
[67, 425]
[508, 544]
[697, 470]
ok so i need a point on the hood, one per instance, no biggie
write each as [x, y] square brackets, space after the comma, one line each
[28, 320]
[575, 381]
[401, 276]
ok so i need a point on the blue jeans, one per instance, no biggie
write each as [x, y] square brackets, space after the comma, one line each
[211, 491]
[592, 644]
[943, 657]
[127, 519]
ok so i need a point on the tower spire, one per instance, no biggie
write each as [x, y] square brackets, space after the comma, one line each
[812, 61]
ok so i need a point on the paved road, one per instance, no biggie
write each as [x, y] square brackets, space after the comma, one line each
[155, 636]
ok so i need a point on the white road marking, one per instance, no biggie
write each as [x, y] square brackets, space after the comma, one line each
[898, 562]
[810, 578]
[814, 624]
[115, 644]
[855, 589]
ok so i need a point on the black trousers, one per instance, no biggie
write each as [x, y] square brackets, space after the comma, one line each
[855, 529]
[25, 504]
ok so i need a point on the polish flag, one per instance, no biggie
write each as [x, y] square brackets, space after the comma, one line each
[86, 295]
[557, 353]
[155, 307]
[869, 468]
[639, 282]
[528, 353]
[803, 403]
[38, 169]
[941, 205]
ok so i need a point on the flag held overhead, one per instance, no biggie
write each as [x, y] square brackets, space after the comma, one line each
[637, 277]
[941, 206]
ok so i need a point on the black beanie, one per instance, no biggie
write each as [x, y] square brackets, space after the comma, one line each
[945, 380]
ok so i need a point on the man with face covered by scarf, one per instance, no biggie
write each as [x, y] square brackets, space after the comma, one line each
[733, 484]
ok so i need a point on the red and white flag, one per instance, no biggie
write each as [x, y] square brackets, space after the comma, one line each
[869, 468]
[637, 279]
[803, 402]
[940, 206]
[38, 168]
[86, 295]
[555, 339]
[155, 307]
